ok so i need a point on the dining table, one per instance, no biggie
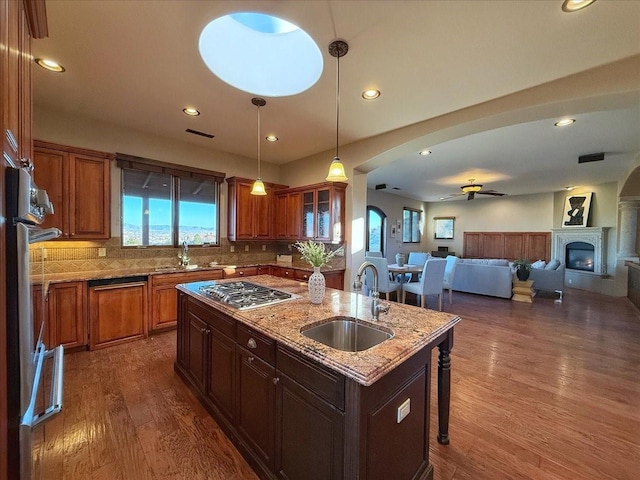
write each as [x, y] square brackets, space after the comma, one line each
[394, 268]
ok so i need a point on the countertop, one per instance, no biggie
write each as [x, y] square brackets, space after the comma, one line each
[413, 327]
[130, 272]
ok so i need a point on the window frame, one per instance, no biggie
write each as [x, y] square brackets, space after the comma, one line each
[177, 172]
[412, 212]
[383, 229]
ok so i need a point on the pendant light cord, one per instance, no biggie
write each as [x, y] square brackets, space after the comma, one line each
[258, 106]
[337, 103]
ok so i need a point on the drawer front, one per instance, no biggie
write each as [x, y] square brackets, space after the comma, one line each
[302, 275]
[214, 319]
[257, 344]
[242, 272]
[284, 272]
[325, 383]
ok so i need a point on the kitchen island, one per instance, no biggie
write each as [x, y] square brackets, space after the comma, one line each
[298, 409]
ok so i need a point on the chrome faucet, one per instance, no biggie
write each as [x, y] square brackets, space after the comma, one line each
[376, 306]
[183, 255]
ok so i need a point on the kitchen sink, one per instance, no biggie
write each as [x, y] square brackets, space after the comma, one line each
[347, 334]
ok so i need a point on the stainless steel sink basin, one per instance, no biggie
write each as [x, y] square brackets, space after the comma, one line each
[344, 333]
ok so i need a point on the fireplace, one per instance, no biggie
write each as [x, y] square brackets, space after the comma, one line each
[579, 256]
[582, 249]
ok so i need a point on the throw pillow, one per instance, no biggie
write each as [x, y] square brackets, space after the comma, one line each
[553, 264]
[539, 264]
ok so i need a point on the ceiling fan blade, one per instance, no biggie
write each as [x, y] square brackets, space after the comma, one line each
[492, 192]
[471, 195]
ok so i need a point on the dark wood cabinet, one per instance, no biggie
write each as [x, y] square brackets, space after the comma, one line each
[78, 182]
[67, 318]
[117, 312]
[288, 215]
[323, 212]
[333, 279]
[197, 353]
[242, 272]
[164, 296]
[250, 217]
[510, 245]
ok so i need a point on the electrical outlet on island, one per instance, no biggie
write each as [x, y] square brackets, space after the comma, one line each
[232, 249]
[246, 248]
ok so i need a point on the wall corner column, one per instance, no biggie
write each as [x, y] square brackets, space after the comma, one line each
[628, 227]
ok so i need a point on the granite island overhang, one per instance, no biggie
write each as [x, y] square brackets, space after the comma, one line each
[364, 396]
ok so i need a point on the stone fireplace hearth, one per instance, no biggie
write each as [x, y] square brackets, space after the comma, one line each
[561, 238]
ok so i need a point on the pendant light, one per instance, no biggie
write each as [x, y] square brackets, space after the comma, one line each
[337, 48]
[258, 186]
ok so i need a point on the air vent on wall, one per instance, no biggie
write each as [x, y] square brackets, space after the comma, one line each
[592, 157]
[196, 132]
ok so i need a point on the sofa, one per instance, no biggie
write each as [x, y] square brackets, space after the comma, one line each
[548, 276]
[484, 276]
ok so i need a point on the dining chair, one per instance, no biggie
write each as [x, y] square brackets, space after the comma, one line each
[430, 283]
[385, 285]
[415, 258]
[449, 272]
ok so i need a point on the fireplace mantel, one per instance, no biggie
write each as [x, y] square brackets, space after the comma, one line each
[596, 236]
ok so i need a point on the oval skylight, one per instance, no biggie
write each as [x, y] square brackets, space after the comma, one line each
[261, 54]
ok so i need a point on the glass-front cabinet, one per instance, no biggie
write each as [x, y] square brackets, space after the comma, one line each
[323, 212]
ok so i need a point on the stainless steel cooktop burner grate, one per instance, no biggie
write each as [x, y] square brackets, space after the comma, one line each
[245, 295]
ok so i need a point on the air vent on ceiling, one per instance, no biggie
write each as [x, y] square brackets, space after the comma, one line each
[592, 157]
[396, 188]
[196, 132]
[381, 186]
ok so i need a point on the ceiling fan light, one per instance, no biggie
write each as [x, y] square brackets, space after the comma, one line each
[336, 171]
[258, 188]
[575, 5]
[471, 188]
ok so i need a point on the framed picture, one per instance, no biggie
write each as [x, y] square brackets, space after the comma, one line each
[393, 231]
[576, 210]
[443, 228]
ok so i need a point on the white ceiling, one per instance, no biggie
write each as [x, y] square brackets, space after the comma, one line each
[136, 64]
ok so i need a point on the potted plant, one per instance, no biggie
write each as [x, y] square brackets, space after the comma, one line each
[523, 268]
[316, 254]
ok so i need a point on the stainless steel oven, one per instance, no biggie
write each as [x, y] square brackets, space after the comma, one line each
[26, 206]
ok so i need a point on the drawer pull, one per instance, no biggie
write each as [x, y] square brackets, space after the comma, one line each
[251, 359]
[251, 343]
[275, 380]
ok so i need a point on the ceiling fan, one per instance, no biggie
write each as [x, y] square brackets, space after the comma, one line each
[471, 189]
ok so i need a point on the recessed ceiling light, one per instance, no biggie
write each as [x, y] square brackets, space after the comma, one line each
[50, 65]
[575, 5]
[191, 111]
[425, 152]
[570, 187]
[271, 138]
[564, 122]
[371, 94]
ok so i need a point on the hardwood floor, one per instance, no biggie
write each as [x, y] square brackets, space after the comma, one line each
[539, 391]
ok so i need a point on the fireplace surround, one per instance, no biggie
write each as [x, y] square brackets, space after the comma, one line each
[583, 249]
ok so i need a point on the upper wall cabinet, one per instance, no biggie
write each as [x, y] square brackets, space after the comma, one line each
[288, 215]
[78, 182]
[323, 212]
[250, 217]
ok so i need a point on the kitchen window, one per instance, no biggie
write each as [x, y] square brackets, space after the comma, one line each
[166, 205]
[410, 225]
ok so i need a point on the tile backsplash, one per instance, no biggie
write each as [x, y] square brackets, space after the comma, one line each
[84, 256]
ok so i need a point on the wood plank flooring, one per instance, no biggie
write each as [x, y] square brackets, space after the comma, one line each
[544, 391]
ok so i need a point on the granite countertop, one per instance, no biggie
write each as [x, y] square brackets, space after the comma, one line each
[130, 272]
[413, 327]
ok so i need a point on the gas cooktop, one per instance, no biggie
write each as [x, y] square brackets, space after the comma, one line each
[245, 295]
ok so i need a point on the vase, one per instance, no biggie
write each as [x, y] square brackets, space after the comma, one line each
[522, 273]
[316, 286]
[400, 259]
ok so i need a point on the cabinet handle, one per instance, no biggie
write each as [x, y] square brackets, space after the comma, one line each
[286, 273]
[251, 359]
[306, 277]
[72, 234]
[240, 273]
[275, 380]
[251, 343]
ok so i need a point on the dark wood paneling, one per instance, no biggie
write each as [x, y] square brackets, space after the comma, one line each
[538, 246]
[472, 245]
[513, 245]
[510, 245]
[492, 245]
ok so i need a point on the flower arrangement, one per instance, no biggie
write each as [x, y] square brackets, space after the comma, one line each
[314, 253]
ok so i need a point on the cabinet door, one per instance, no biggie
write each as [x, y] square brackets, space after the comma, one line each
[294, 215]
[323, 215]
[538, 246]
[243, 209]
[472, 245]
[51, 174]
[221, 368]
[118, 313]
[164, 309]
[256, 404]
[309, 434]
[513, 245]
[197, 350]
[492, 245]
[67, 319]
[263, 215]
[89, 197]
[281, 215]
[334, 280]
[308, 215]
